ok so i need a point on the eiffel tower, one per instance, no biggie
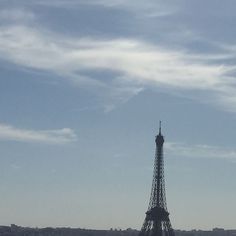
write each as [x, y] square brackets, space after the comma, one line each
[157, 222]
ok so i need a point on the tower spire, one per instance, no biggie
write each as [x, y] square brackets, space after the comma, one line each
[160, 127]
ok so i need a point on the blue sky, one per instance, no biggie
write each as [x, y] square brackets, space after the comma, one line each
[83, 85]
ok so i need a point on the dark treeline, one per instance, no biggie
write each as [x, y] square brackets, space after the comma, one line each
[15, 230]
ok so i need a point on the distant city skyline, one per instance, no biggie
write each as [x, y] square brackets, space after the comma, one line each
[83, 85]
[15, 230]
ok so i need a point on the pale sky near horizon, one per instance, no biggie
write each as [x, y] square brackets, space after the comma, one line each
[83, 85]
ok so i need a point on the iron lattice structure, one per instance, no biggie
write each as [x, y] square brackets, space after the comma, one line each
[157, 222]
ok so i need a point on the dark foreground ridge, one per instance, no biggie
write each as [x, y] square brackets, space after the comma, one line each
[15, 230]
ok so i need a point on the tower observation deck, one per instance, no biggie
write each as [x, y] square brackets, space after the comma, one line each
[157, 222]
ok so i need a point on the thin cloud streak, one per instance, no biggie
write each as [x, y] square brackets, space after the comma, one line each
[16, 15]
[199, 151]
[60, 136]
[138, 63]
[149, 8]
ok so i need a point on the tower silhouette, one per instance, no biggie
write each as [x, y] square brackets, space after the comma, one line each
[157, 222]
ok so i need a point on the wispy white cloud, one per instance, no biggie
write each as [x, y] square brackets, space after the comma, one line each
[152, 8]
[200, 151]
[60, 136]
[16, 15]
[127, 5]
[148, 8]
[135, 64]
